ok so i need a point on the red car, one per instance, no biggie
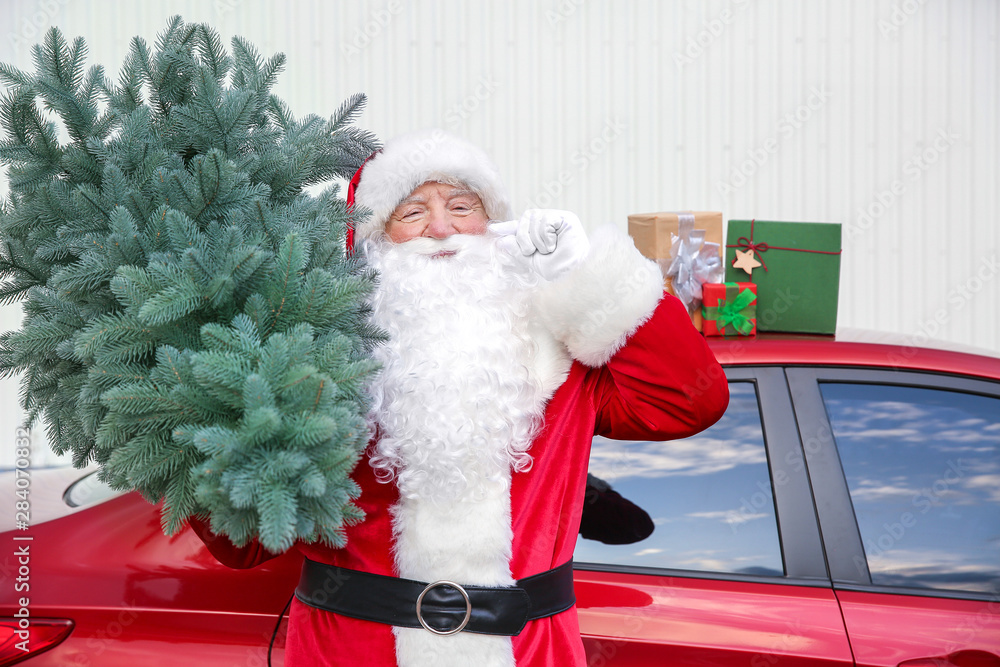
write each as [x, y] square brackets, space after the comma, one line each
[845, 511]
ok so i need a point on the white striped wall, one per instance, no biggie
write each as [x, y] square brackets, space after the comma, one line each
[881, 115]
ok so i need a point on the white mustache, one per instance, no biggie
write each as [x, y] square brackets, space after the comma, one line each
[455, 243]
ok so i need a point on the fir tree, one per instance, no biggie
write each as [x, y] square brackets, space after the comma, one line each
[192, 323]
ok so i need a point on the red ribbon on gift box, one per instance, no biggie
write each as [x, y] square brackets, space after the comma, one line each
[745, 243]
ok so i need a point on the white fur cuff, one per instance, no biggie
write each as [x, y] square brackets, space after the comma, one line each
[595, 307]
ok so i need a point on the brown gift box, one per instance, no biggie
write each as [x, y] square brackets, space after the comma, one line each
[651, 234]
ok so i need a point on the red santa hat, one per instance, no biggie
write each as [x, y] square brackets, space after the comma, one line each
[410, 160]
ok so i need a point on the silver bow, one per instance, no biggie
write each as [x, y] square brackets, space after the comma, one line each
[692, 262]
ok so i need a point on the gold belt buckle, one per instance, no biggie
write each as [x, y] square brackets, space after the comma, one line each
[468, 608]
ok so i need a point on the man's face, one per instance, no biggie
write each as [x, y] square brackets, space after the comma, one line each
[437, 210]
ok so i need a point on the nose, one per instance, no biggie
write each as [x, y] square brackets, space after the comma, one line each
[439, 225]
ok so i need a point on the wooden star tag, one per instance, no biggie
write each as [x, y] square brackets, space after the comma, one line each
[746, 261]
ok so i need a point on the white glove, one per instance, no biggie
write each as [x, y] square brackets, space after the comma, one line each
[553, 242]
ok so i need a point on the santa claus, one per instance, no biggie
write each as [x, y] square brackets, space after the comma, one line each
[511, 343]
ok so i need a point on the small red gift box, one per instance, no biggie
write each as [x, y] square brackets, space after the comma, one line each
[729, 309]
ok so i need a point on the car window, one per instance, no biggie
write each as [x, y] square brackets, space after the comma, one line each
[923, 469]
[701, 503]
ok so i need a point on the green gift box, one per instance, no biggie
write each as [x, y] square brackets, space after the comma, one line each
[798, 276]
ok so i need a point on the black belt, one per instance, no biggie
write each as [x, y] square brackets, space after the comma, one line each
[442, 607]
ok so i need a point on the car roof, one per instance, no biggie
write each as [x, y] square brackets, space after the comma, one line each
[851, 347]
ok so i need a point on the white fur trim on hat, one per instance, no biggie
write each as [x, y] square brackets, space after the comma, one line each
[410, 160]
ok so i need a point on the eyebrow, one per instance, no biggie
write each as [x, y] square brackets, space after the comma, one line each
[412, 199]
[460, 192]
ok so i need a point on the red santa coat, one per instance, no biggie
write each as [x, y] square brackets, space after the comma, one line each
[663, 383]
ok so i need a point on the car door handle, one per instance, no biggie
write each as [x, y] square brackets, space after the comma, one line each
[957, 659]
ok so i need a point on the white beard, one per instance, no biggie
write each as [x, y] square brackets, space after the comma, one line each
[456, 404]
[457, 400]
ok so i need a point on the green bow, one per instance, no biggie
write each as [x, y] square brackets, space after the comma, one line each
[735, 312]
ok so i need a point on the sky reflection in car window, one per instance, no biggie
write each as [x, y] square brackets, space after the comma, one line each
[709, 496]
[923, 469]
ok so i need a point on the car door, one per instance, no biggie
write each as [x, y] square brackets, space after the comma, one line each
[733, 572]
[905, 468]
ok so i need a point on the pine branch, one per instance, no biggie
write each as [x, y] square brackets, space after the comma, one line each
[13, 76]
[213, 53]
[113, 336]
[77, 57]
[166, 38]
[247, 60]
[289, 262]
[348, 112]
[266, 78]
[280, 113]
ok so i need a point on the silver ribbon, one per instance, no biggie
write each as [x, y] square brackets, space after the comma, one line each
[692, 262]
